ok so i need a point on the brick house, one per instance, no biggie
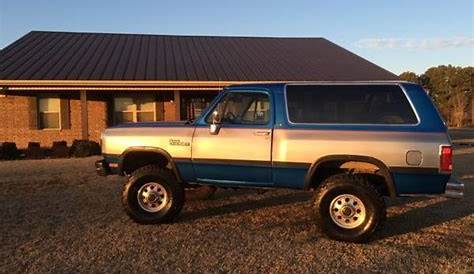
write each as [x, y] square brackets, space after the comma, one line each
[58, 86]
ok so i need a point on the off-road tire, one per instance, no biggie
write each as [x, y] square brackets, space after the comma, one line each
[359, 186]
[165, 178]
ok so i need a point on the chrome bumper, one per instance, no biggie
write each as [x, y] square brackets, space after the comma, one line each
[102, 168]
[454, 189]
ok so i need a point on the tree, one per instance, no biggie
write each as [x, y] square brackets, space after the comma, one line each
[410, 77]
[451, 89]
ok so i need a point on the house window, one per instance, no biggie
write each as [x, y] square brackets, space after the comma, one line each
[193, 104]
[129, 109]
[49, 113]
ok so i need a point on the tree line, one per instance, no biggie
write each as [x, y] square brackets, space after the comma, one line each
[451, 89]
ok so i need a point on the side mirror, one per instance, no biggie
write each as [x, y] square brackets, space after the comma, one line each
[216, 123]
[214, 129]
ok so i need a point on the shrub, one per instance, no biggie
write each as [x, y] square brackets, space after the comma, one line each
[84, 148]
[59, 150]
[9, 151]
[34, 151]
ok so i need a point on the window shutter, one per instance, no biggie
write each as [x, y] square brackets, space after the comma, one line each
[65, 117]
[33, 112]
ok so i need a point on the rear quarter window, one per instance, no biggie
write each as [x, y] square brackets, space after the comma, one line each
[349, 104]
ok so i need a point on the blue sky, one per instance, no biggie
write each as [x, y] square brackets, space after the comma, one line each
[397, 35]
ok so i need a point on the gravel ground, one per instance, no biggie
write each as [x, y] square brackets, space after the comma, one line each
[58, 216]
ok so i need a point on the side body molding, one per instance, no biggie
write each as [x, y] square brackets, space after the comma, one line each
[383, 169]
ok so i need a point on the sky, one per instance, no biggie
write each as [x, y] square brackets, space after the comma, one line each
[397, 35]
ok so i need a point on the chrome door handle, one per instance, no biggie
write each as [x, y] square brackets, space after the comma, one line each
[262, 133]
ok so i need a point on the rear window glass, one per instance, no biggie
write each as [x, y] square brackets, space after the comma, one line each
[349, 104]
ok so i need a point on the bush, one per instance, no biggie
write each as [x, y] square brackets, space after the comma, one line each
[9, 151]
[59, 150]
[34, 151]
[84, 148]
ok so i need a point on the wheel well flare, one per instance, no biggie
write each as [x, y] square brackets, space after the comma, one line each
[376, 170]
[132, 160]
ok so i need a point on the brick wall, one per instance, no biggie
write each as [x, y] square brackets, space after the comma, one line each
[169, 108]
[18, 110]
[15, 114]
[97, 117]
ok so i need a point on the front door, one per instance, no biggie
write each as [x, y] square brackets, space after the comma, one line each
[241, 151]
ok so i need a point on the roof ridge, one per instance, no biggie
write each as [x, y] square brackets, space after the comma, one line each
[179, 35]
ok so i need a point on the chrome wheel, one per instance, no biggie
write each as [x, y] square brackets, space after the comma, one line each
[347, 211]
[152, 197]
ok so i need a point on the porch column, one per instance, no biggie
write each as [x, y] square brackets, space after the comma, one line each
[84, 116]
[177, 104]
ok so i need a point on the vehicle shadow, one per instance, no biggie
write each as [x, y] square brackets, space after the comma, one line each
[431, 215]
[411, 220]
[243, 206]
[228, 193]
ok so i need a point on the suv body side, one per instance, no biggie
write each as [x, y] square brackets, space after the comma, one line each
[283, 154]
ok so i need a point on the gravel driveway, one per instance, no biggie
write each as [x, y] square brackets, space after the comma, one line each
[58, 216]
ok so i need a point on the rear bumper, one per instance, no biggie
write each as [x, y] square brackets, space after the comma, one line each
[102, 168]
[454, 189]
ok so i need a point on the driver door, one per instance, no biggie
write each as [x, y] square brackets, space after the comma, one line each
[241, 151]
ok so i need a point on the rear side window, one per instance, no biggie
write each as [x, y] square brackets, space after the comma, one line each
[348, 104]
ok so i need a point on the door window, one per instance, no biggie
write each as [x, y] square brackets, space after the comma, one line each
[244, 108]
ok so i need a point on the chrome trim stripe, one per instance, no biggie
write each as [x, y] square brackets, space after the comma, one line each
[182, 160]
[231, 162]
[290, 165]
[228, 182]
[348, 84]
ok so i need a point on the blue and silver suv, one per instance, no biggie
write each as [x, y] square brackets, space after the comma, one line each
[351, 143]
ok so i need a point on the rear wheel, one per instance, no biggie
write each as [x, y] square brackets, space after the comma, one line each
[152, 195]
[348, 208]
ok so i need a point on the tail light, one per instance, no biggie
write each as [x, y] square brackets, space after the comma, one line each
[446, 159]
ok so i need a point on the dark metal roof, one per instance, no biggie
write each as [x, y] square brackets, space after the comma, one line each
[102, 56]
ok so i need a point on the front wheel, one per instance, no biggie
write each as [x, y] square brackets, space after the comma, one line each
[348, 208]
[152, 195]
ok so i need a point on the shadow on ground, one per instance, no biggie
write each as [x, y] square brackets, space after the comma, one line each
[412, 220]
[245, 205]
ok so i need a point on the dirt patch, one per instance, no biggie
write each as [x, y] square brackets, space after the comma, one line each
[58, 216]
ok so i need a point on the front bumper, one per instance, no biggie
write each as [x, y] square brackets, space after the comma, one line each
[454, 189]
[102, 168]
